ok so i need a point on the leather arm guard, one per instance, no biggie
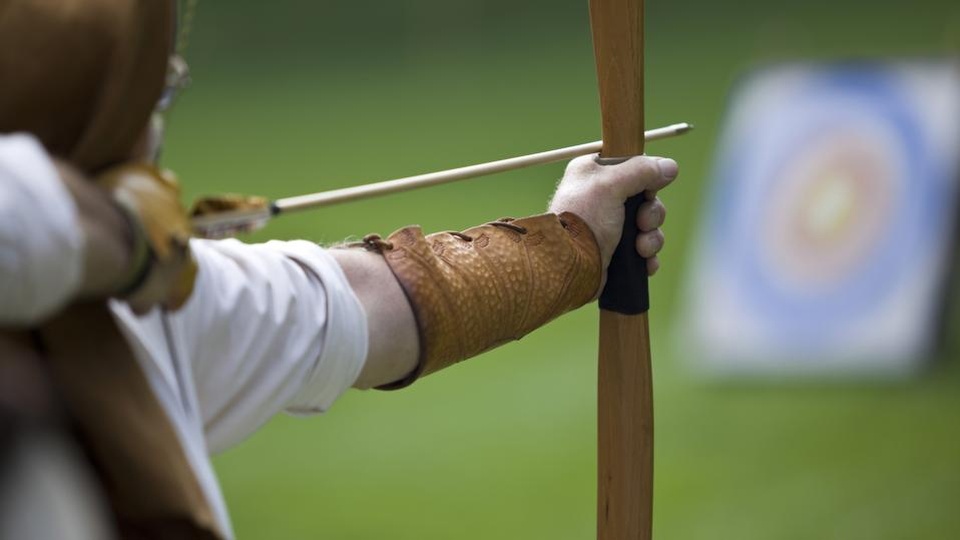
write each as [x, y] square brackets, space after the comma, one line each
[474, 290]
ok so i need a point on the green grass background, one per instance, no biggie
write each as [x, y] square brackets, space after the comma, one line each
[293, 96]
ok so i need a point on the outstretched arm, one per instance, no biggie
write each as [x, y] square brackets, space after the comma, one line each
[594, 193]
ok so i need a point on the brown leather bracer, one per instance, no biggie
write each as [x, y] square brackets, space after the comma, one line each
[474, 290]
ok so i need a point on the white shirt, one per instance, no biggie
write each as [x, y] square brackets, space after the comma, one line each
[38, 226]
[269, 328]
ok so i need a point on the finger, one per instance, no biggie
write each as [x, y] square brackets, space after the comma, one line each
[639, 174]
[650, 243]
[653, 264]
[651, 215]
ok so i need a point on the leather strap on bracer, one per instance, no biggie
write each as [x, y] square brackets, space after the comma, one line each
[474, 290]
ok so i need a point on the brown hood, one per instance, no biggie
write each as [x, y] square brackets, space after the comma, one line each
[83, 75]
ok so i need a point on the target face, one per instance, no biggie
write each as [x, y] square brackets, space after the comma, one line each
[829, 225]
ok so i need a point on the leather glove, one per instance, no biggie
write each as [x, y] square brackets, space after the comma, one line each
[163, 270]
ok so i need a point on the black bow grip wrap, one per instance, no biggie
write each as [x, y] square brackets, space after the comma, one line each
[627, 290]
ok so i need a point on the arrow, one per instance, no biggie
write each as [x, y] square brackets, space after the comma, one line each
[222, 216]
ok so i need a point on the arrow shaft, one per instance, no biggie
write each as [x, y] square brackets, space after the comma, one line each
[224, 222]
[326, 198]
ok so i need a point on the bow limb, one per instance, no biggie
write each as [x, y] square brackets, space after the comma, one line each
[624, 388]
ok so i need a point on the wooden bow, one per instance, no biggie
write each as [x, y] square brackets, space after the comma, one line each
[624, 387]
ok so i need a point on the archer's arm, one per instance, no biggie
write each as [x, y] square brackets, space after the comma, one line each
[290, 325]
[594, 193]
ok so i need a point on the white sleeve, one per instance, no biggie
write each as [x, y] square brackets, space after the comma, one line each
[41, 244]
[269, 327]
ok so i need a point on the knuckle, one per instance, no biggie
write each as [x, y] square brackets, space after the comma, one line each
[650, 243]
[653, 264]
[580, 165]
[647, 217]
[647, 168]
[647, 176]
[656, 215]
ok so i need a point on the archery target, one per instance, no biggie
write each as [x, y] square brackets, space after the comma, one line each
[828, 228]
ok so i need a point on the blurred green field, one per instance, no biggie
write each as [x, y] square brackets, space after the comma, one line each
[291, 97]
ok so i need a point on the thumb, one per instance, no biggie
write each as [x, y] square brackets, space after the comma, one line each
[639, 174]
